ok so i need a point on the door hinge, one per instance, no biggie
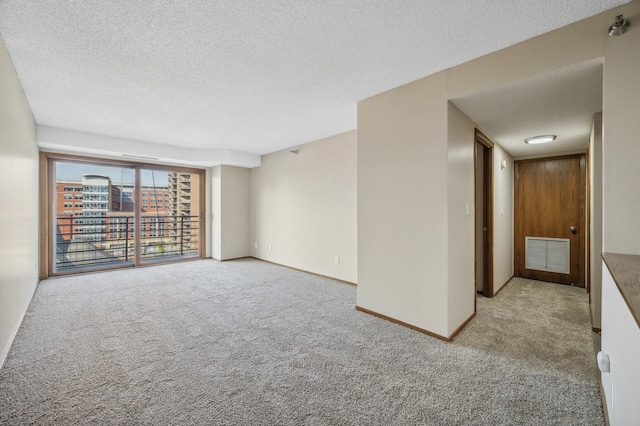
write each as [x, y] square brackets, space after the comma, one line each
[518, 175]
[518, 259]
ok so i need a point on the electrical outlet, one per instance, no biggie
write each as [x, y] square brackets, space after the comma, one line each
[255, 244]
[337, 260]
[269, 247]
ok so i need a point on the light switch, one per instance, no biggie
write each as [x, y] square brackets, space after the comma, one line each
[466, 209]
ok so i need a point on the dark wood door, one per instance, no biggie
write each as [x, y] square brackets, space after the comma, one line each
[549, 219]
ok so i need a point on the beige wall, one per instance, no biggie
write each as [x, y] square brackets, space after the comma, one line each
[304, 207]
[621, 201]
[402, 204]
[230, 212]
[595, 175]
[621, 137]
[402, 149]
[398, 128]
[236, 212]
[216, 212]
[502, 218]
[19, 183]
[461, 218]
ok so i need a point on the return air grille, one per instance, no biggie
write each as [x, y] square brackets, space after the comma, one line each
[547, 254]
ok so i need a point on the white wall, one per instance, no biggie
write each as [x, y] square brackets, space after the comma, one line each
[59, 140]
[461, 218]
[19, 182]
[595, 175]
[621, 341]
[402, 204]
[230, 212]
[502, 218]
[304, 207]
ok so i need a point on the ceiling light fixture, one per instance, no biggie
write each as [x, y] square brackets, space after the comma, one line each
[619, 27]
[540, 139]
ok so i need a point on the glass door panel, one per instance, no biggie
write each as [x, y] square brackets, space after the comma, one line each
[93, 216]
[169, 215]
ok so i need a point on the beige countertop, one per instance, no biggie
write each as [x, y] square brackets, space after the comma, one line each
[625, 270]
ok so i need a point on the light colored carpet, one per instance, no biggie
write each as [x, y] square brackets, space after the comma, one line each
[247, 342]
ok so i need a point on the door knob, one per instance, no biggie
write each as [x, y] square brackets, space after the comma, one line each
[573, 229]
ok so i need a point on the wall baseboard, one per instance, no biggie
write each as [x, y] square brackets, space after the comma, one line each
[503, 286]
[404, 324]
[307, 272]
[462, 326]
[235, 258]
[7, 349]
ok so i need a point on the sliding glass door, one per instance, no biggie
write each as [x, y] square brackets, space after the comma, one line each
[105, 214]
[169, 222]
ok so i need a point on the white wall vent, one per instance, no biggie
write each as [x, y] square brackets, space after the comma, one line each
[547, 254]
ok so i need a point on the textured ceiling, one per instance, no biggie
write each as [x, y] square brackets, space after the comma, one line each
[247, 75]
[561, 103]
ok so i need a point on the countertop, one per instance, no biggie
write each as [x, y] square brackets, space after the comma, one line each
[625, 270]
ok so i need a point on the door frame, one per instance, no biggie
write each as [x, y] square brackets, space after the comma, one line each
[517, 225]
[481, 139]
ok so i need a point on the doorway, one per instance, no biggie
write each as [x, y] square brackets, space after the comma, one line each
[550, 198]
[483, 214]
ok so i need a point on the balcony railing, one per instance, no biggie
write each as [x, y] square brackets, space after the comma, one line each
[79, 245]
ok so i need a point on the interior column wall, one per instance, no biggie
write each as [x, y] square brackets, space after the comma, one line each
[230, 212]
[402, 204]
[216, 212]
[19, 222]
[236, 212]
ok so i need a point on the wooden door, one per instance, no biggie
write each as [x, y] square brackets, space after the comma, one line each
[549, 219]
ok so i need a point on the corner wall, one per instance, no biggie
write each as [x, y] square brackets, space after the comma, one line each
[303, 207]
[230, 212]
[620, 136]
[595, 187]
[403, 237]
[19, 223]
[402, 204]
[461, 217]
[236, 212]
[502, 218]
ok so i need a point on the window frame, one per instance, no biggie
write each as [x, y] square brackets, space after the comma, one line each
[47, 213]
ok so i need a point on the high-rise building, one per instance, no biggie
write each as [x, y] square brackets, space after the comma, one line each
[99, 196]
[184, 206]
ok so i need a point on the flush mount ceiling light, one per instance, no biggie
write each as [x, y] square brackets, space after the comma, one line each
[540, 139]
[619, 27]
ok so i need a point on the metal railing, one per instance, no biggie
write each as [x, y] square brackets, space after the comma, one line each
[96, 242]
